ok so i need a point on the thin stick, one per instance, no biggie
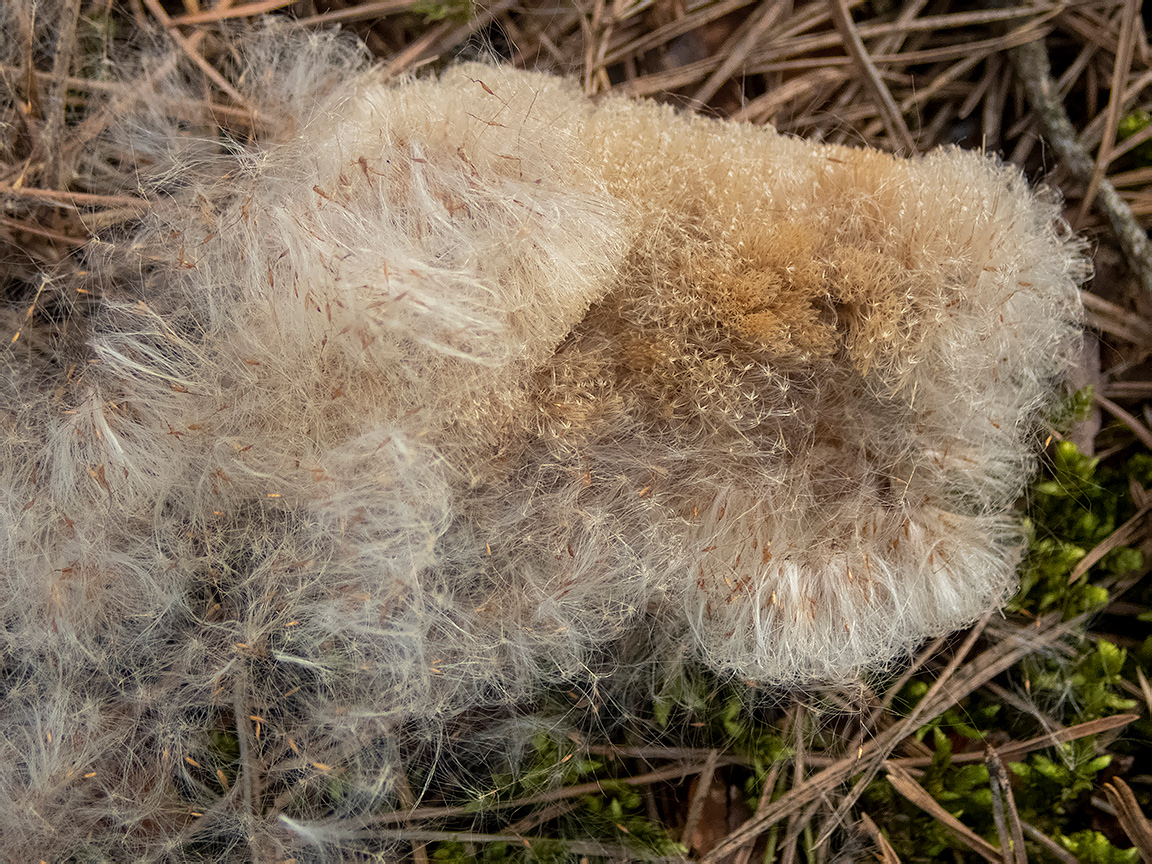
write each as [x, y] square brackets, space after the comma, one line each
[765, 799]
[887, 853]
[1050, 846]
[56, 103]
[1031, 62]
[576, 847]
[1002, 655]
[249, 773]
[910, 723]
[1000, 783]
[668, 32]
[74, 199]
[696, 808]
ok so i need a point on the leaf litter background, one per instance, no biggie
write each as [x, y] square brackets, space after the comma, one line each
[1026, 738]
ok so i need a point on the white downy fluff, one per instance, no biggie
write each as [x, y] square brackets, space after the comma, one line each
[448, 388]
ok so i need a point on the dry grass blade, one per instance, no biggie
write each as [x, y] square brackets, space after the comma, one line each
[224, 12]
[1029, 32]
[1137, 390]
[926, 653]
[1122, 536]
[666, 33]
[675, 772]
[920, 714]
[1145, 689]
[764, 107]
[185, 109]
[798, 820]
[441, 38]
[1132, 819]
[575, 847]
[190, 49]
[1138, 429]
[763, 18]
[903, 783]
[46, 233]
[75, 199]
[889, 113]
[1014, 750]
[1120, 71]
[961, 67]
[681, 76]
[616, 751]
[999, 821]
[885, 45]
[1094, 131]
[887, 853]
[745, 852]
[408, 801]
[1116, 321]
[539, 817]
[786, 42]
[357, 12]
[1000, 656]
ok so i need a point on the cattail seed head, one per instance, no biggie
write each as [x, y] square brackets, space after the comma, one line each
[455, 383]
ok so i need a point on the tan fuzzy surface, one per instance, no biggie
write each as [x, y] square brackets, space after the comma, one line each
[458, 384]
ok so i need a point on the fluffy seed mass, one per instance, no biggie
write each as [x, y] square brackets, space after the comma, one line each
[447, 387]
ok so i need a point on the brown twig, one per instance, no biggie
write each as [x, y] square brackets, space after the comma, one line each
[357, 12]
[54, 108]
[916, 718]
[222, 13]
[193, 53]
[1003, 802]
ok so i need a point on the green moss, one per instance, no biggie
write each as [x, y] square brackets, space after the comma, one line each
[1092, 847]
[443, 10]
[1129, 125]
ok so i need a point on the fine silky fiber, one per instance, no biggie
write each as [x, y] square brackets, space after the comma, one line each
[451, 385]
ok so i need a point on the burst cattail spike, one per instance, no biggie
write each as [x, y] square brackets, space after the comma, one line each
[441, 389]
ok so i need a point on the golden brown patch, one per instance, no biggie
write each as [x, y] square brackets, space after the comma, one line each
[775, 291]
[875, 296]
